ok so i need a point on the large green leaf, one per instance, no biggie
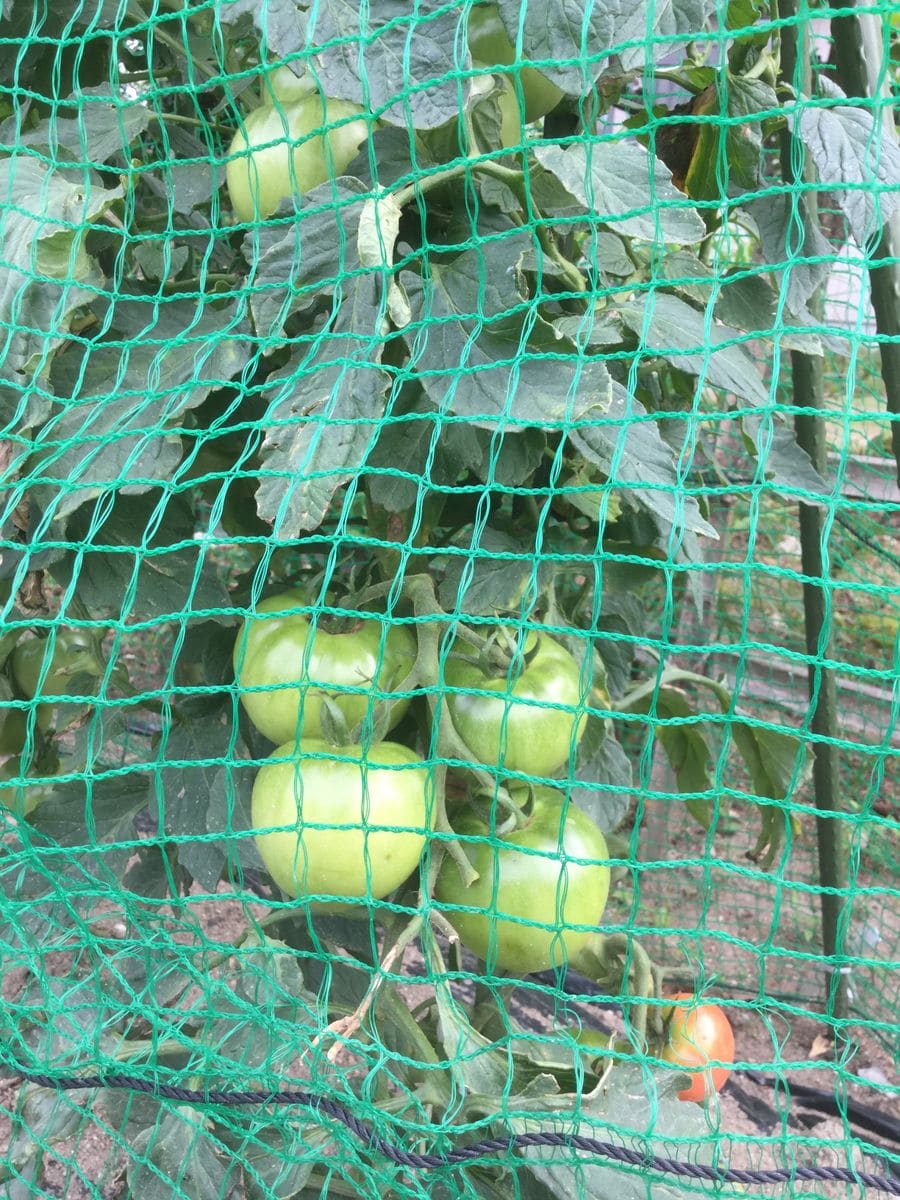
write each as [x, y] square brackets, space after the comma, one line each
[604, 778]
[324, 416]
[165, 575]
[281, 23]
[492, 575]
[625, 444]
[179, 1156]
[182, 792]
[575, 42]
[625, 1110]
[625, 188]
[785, 464]
[120, 399]
[857, 161]
[94, 817]
[693, 342]
[416, 450]
[47, 275]
[400, 62]
[800, 255]
[291, 264]
[480, 354]
[106, 123]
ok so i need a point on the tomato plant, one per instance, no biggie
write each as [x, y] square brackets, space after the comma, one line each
[541, 887]
[288, 150]
[697, 1033]
[531, 726]
[309, 666]
[356, 820]
[460, 387]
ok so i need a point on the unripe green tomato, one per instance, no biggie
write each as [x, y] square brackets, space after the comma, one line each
[13, 730]
[281, 84]
[270, 651]
[490, 44]
[537, 738]
[74, 655]
[529, 893]
[356, 830]
[24, 798]
[302, 155]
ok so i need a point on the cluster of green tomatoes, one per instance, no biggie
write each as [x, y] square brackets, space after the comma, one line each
[349, 823]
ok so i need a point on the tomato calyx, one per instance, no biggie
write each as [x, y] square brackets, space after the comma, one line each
[498, 653]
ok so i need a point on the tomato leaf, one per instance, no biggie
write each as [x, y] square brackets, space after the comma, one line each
[99, 131]
[165, 575]
[291, 264]
[491, 575]
[789, 237]
[630, 451]
[404, 53]
[778, 762]
[276, 1160]
[115, 407]
[181, 790]
[622, 185]
[228, 817]
[476, 356]
[574, 45]
[604, 778]
[786, 465]
[625, 1106]
[417, 450]
[281, 23]
[323, 417]
[857, 160]
[475, 1064]
[47, 276]
[689, 339]
[109, 806]
[508, 458]
[179, 1154]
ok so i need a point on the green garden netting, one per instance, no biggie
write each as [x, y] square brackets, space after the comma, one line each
[451, 598]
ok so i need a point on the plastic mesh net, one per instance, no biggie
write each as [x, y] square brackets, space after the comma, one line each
[451, 589]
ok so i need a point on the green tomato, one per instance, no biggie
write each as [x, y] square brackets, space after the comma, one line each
[537, 738]
[356, 829]
[74, 668]
[13, 730]
[270, 651]
[490, 44]
[20, 799]
[290, 152]
[281, 84]
[550, 872]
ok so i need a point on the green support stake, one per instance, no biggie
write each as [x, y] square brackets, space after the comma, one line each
[808, 387]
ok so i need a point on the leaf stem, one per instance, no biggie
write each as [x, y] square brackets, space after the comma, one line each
[179, 48]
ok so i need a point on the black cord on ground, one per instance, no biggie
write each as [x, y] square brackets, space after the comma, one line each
[466, 1154]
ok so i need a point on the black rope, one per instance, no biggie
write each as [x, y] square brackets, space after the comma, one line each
[466, 1154]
